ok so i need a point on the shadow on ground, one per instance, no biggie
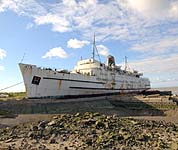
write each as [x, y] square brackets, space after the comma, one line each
[121, 105]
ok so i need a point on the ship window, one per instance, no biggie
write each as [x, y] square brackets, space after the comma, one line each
[36, 80]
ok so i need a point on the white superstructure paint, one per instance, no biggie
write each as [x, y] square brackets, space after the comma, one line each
[89, 77]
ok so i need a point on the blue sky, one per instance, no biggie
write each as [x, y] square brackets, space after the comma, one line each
[57, 33]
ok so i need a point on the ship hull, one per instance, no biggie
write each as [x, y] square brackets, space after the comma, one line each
[47, 83]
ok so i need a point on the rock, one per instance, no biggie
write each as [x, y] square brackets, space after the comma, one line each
[30, 134]
[35, 128]
[88, 122]
[99, 125]
[120, 137]
[77, 115]
[114, 116]
[25, 146]
[93, 131]
[174, 146]
[65, 148]
[29, 146]
[52, 123]
[96, 114]
[143, 137]
[122, 148]
[42, 125]
[9, 140]
[52, 141]
[10, 147]
[126, 136]
[89, 142]
[55, 117]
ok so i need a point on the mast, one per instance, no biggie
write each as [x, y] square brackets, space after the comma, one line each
[93, 51]
[125, 63]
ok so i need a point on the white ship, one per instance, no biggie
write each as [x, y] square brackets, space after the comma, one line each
[89, 78]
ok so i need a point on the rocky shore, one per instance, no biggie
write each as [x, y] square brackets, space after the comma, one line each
[90, 131]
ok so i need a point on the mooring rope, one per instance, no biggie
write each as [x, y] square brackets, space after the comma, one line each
[11, 86]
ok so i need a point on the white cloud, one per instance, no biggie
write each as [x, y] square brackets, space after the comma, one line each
[1, 68]
[161, 70]
[3, 53]
[103, 50]
[59, 23]
[133, 21]
[174, 9]
[29, 26]
[6, 4]
[161, 46]
[157, 64]
[23, 7]
[71, 3]
[74, 43]
[149, 7]
[56, 52]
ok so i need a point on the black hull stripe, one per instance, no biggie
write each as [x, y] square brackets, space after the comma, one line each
[82, 96]
[89, 88]
[73, 80]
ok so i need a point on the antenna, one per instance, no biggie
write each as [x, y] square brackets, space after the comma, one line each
[125, 63]
[93, 52]
[22, 58]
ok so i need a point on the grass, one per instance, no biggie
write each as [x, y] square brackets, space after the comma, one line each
[14, 95]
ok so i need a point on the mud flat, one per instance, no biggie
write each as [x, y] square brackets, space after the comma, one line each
[122, 105]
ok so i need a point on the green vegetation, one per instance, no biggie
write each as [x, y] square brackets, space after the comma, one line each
[13, 95]
[3, 112]
[17, 94]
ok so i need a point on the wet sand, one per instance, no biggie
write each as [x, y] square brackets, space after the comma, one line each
[170, 116]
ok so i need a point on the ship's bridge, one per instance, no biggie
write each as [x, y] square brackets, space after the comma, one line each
[88, 67]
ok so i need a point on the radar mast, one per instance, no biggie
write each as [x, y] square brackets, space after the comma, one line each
[95, 48]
